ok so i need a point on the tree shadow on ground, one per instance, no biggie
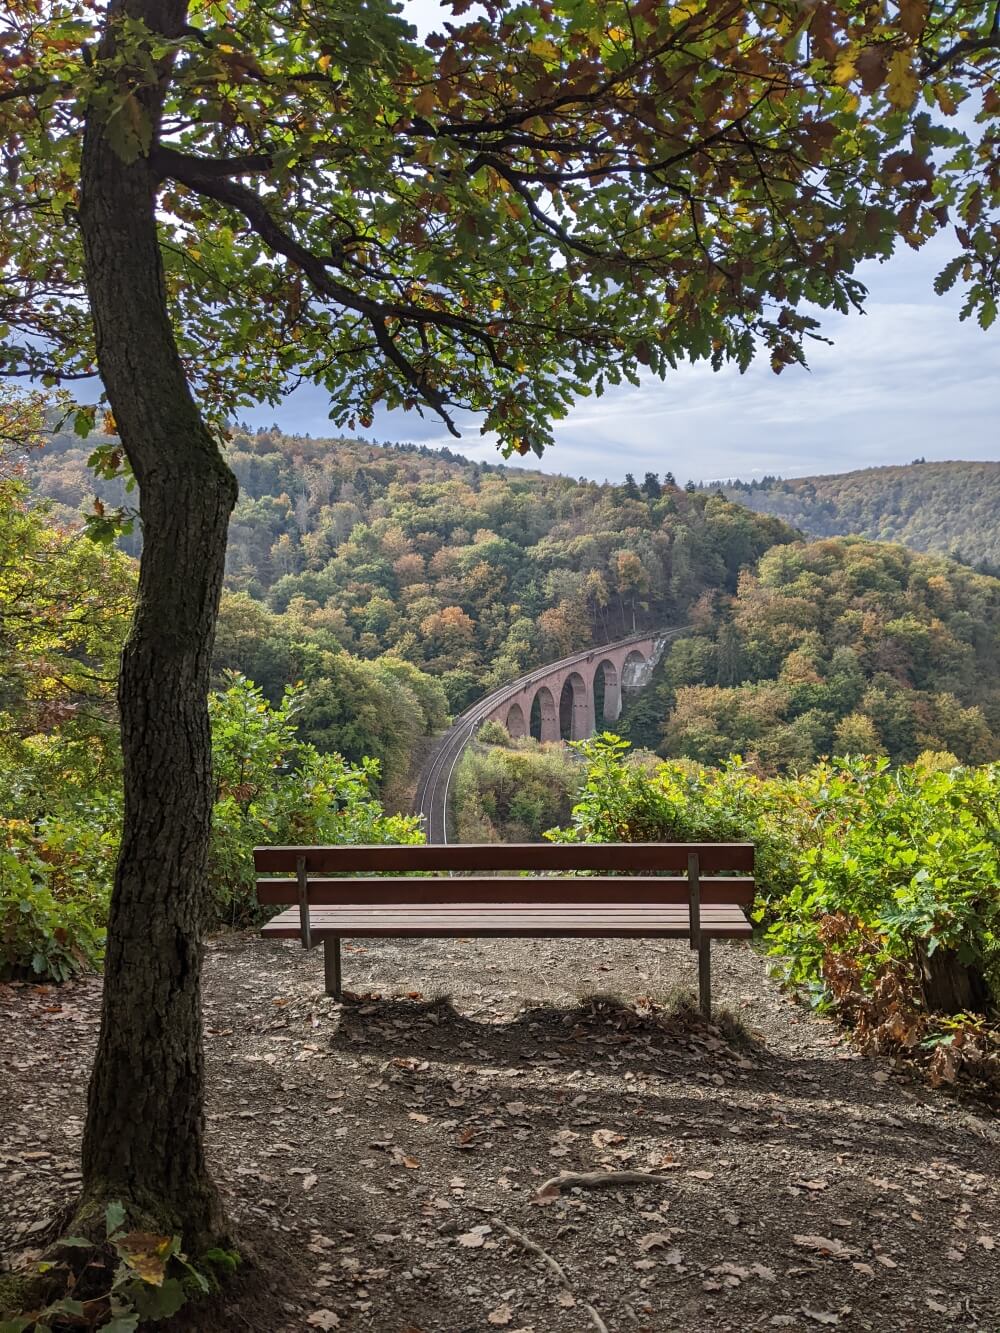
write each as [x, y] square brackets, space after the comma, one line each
[770, 1098]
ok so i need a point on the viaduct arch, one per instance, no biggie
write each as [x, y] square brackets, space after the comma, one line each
[541, 704]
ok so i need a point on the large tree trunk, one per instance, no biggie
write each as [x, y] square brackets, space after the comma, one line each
[951, 986]
[144, 1138]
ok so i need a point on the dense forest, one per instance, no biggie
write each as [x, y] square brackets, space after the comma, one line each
[952, 508]
[473, 573]
[400, 582]
[833, 647]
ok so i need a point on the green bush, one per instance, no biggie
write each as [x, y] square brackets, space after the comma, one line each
[60, 811]
[909, 855]
[513, 792]
[57, 868]
[274, 788]
[493, 733]
[54, 882]
[630, 798]
[864, 870]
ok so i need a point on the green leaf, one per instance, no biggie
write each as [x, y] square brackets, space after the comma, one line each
[114, 1218]
[157, 1302]
[66, 1306]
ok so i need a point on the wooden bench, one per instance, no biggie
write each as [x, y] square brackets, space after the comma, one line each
[687, 891]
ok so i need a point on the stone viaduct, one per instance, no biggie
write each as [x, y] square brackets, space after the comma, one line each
[562, 705]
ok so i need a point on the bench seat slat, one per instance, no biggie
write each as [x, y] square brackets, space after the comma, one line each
[400, 920]
[468, 890]
[713, 857]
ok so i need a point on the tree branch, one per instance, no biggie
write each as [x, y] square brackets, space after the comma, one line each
[966, 47]
[167, 161]
[211, 183]
[413, 376]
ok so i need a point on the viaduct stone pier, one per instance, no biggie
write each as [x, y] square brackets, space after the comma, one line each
[563, 704]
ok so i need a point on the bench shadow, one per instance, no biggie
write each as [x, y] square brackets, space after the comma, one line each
[807, 1099]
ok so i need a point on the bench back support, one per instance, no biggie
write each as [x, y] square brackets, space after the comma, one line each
[694, 897]
[648, 857]
[302, 893]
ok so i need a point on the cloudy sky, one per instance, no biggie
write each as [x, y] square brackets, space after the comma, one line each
[905, 380]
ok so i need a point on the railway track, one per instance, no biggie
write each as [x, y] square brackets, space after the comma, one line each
[434, 785]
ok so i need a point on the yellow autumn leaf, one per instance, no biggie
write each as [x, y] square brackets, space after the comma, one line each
[146, 1255]
[902, 84]
[542, 47]
[846, 67]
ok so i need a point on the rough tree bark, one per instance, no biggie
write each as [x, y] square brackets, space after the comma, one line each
[951, 986]
[144, 1138]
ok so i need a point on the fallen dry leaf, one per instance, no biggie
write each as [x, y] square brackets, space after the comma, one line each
[603, 1138]
[324, 1319]
[826, 1245]
[501, 1316]
[654, 1240]
[471, 1240]
[400, 1158]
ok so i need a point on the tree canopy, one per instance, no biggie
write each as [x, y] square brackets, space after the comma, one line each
[507, 215]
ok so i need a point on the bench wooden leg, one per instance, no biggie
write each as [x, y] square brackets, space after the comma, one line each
[705, 976]
[331, 965]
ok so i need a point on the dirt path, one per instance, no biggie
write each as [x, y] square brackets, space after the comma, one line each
[373, 1154]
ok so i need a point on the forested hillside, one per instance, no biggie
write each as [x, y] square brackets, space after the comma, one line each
[953, 508]
[835, 646]
[472, 573]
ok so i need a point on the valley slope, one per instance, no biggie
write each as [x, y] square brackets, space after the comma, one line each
[950, 507]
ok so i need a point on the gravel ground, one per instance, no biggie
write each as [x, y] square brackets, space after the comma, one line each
[383, 1160]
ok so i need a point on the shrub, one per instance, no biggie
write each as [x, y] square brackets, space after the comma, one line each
[910, 855]
[493, 733]
[274, 788]
[55, 879]
[513, 792]
[865, 872]
[57, 868]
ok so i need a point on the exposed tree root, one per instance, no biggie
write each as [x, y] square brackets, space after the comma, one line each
[526, 1243]
[554, 1266]
[594, 1180]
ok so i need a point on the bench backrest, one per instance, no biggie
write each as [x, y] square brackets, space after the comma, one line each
[646, 872]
